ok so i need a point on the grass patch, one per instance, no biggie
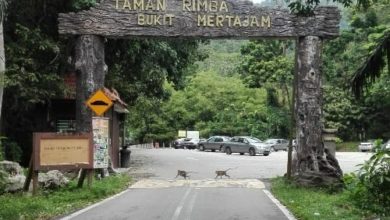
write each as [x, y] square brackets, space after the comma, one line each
[351, 146]
[311, 203]
[68, 199]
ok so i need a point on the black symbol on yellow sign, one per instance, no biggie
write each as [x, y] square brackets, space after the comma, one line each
[99, 102]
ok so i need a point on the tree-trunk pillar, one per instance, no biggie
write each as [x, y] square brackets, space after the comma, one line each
[90, 69]
[314, 166]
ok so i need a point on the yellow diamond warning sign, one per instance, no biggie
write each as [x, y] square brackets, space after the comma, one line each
[99, 102]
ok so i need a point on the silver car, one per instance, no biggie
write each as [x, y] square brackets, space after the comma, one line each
[213, 143]
[277, 144]
[245, 144]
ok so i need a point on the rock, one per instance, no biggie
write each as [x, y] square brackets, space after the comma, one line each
[13, 176]
[52, 180]
[12, 168]
[15, 183]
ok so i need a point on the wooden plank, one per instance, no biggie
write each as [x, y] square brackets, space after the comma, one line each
[29, 176]
[35, 182]
[196, 18]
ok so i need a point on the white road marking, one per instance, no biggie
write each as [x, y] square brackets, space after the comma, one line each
[92, 206]
[181, 204]
[191, 206]
[279, 205]
[207, 183]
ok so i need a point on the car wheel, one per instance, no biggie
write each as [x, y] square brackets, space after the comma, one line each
[266, 154]
[201, 148]
[228, 150]
[273, 149]
[252, 152]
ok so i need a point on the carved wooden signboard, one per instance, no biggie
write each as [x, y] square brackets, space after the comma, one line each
[218, 19]
[196, 18]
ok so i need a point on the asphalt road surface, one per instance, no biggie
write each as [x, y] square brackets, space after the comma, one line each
[157, 194]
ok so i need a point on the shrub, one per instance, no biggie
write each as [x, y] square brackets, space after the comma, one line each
[338, 140]
[370, 188]
[1, 148]
[12, 150]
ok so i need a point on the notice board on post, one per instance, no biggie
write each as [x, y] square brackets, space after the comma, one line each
[101, 142]
[62, 151]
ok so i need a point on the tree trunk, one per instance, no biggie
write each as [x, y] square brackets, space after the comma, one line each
[2, 66]
[90, 68]
[314, 165]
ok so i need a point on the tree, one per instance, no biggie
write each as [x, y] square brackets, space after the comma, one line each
[37, 58]
[373, 66]
[3, 8]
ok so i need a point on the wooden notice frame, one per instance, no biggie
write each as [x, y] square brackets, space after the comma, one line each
[59, 151]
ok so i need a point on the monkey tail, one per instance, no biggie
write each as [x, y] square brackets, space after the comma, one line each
[231, 169]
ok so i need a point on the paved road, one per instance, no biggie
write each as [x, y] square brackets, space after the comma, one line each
[164, 163]
[159, 195]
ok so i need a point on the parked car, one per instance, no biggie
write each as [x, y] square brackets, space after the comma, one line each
[277, 144]
[365, 146]
[178, 143]
[213, 143]
[245, 144]
[191, 143]
[386, 145]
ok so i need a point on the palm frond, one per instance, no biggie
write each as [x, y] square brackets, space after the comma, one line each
[372, 67]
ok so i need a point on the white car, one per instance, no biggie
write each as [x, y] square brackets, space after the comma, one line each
[365, 146]
[386, 145]
[277, 144]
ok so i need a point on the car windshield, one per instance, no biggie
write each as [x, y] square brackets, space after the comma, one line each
[253, 140]
[270, 141]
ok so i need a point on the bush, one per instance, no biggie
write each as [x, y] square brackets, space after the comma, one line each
[370, 188]
[12, 150]
[1, 148]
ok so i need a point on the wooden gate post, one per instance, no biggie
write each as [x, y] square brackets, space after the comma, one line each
[313, 164]
[90, 69]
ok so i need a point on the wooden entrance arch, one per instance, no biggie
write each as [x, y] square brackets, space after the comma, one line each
[215, 19]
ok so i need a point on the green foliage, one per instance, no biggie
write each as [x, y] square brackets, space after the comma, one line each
[140, 67]
[1, 148]
[370, 188]
[212, 104]
[364, 118]
[316, 203]
[223, 56]
[267, 61]
[305, 8]
[347, 146]
[12, 150]
[83, 4]
[58, 202]
[37, 58]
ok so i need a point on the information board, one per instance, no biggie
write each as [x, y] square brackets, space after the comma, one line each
[62, 151]
[101, 142]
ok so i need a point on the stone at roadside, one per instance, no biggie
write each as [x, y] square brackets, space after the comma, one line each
[10, 167]
[53, 179]
[14, 177]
